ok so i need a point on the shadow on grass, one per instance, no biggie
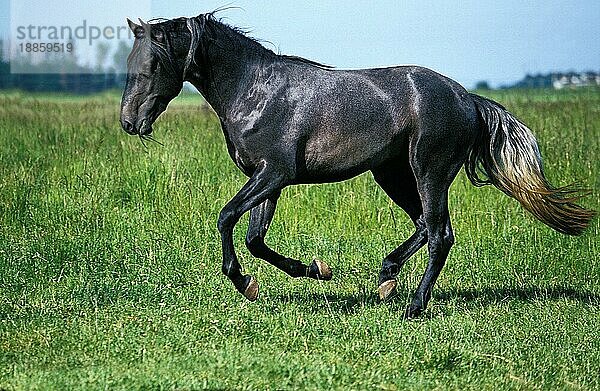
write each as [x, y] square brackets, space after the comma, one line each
[350, 304]
[488, 296]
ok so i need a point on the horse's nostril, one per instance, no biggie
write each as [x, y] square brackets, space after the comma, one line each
[128, 126]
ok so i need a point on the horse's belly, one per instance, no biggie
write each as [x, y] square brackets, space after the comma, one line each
[334, 156]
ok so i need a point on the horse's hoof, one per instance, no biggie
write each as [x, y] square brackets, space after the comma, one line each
[320, 270]
[387, 289]
[412, 312]
[251, 291]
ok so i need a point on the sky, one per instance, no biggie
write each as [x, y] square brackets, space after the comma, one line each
[466, 40]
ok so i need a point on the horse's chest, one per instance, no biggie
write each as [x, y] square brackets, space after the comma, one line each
[238, 153]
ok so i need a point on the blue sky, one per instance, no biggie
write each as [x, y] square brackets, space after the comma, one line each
[466, 40]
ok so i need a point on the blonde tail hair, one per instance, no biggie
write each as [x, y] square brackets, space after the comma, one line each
[508, 156]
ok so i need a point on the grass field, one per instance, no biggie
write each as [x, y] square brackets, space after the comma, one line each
[110, 266]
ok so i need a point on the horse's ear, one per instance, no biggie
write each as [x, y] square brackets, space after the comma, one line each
[137, 30]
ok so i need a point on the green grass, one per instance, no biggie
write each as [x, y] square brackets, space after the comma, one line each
[110, 266]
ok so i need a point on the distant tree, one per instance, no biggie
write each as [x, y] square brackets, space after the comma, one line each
[5, 76]
[70, 63]
[482, 85]
[102, 50]
[120, 57]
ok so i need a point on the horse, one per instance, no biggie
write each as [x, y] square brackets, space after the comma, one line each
[288, 120]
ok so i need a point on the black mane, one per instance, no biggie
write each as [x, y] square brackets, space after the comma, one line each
[218, 26]
[306, 61]
[244, 34]
[162, 51]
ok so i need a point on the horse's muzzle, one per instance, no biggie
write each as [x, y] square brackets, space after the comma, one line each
[128, 127]
[144, 129]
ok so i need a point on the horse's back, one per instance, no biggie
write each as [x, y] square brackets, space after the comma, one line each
[355, 120]
[350, 122]
[399, 97]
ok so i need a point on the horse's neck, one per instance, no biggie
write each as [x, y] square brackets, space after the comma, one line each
[228, 69]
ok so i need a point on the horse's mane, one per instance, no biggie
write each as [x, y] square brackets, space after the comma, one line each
[306, 61]
[161, 50]
[245, 34]
[219, 25]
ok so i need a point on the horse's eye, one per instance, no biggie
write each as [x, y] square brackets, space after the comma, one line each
[159, 36]
[154, 67]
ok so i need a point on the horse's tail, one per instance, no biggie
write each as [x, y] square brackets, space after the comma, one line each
[507, 153]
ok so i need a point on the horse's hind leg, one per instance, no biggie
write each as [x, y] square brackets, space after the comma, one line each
[435, 166]
[397, 180]
[260, 219]
[440, 238]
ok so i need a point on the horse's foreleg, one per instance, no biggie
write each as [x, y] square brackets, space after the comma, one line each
[260, 219]
[263, 184]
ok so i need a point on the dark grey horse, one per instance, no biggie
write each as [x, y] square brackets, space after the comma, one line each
[288, 120]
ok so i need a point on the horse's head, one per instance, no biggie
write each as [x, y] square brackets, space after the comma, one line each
[155, 72]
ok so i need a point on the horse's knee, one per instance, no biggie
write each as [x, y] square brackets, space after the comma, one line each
[226, 219]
